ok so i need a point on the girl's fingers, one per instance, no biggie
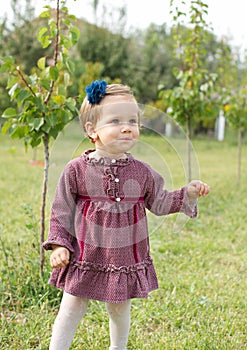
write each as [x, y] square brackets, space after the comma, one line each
[198, 188]
[204, 190]
[59, 258]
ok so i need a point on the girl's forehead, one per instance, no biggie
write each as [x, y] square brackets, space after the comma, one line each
[119, 105]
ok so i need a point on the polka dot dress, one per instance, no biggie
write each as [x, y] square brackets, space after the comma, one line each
[99, 215]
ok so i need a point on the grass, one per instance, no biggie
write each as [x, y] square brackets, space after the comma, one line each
[201, 264]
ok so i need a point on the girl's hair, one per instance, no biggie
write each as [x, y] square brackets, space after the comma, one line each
[91, 112]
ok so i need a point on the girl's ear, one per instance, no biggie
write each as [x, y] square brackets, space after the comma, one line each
[89, 128]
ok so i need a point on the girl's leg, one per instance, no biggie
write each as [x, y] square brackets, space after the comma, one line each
[119, 315]
[71, 311]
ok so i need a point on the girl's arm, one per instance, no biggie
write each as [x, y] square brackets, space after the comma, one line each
[61, 231]
[162, 202]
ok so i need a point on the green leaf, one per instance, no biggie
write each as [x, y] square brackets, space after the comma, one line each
[41, 63]
[71, 104]
[45, 14]
[54, 133]
[36, 123]
[6, 126]
[19, 131]
[75, 35]
[51, 120]
[46, 42]
[9, 113]
[4, 68]
[62, 90]
[59, 65]
[12, 90]
[42, 38]
[66, 116]
[35, 141]
[65, 9]
[12, 80]
[54, 73]
[8, 64]
[23, 95]
[46, 128]
[70, 65]
[204, 87]
[45, 84]
[66, 79]
[41, 33]
[66, 42]
[59, 99]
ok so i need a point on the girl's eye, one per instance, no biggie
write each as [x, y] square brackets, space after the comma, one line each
[133, 121]
[115, 121]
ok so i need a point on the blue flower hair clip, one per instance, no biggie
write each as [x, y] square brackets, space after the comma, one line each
[96, 91]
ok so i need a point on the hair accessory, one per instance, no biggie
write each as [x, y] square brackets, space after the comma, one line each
[96, 91]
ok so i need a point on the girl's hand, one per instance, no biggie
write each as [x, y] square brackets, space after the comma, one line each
[59, 257]
[197, 188]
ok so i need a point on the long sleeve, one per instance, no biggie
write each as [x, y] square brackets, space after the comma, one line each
[163, 202]
[61, 230]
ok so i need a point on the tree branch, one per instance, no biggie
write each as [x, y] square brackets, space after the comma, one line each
[25, 81]
[55, 56]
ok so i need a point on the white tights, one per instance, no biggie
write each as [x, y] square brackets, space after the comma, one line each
[72, 310]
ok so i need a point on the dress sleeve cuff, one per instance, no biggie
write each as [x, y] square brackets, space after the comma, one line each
[47, 245]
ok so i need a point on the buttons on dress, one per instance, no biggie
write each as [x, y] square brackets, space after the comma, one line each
[116, 179]
[113, 161]
[118, 199]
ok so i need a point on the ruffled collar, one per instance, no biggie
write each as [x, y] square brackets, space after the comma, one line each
[106, 161]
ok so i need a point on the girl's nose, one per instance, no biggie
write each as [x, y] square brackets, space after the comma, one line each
[125, 127]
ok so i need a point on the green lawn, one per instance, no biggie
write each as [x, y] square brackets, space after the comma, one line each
[201, 264]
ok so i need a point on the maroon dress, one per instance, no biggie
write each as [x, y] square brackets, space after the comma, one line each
[99, 214]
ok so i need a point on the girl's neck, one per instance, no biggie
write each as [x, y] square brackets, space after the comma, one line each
[98, 153]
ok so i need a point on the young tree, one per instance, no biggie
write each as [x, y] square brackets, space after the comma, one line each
[17, 39]
[43, 108]
[231, 93]
[189, 99]
[236, 113]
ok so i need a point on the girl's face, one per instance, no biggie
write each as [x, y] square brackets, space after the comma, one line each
[117, 130]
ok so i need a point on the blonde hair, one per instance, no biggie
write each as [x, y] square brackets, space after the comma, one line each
[91, 112]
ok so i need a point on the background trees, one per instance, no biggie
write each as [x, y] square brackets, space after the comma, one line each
[190, 99]
[43, 106]
[144, 59]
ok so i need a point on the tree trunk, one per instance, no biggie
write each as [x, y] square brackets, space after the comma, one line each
[188, 146]
[43, 203]
[240, 136]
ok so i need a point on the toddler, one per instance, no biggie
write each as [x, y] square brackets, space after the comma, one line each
[98, 226]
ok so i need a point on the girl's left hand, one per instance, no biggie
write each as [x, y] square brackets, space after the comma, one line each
[197, 188]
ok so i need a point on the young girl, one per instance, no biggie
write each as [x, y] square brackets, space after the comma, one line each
[98, 227]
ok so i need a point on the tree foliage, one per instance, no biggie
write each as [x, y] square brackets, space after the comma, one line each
[41, 97]
[43, 107]
[191, 97]
[235, 108]
[151, 61]
[144, 59]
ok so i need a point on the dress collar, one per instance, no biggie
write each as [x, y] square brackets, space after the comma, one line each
[106, 161]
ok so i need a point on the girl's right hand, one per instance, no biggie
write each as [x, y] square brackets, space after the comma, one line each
[59, 257]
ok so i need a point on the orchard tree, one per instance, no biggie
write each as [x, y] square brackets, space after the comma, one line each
[236, 113]
[232, 92]
[43, 108]
[17, 39]
[190, 98]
